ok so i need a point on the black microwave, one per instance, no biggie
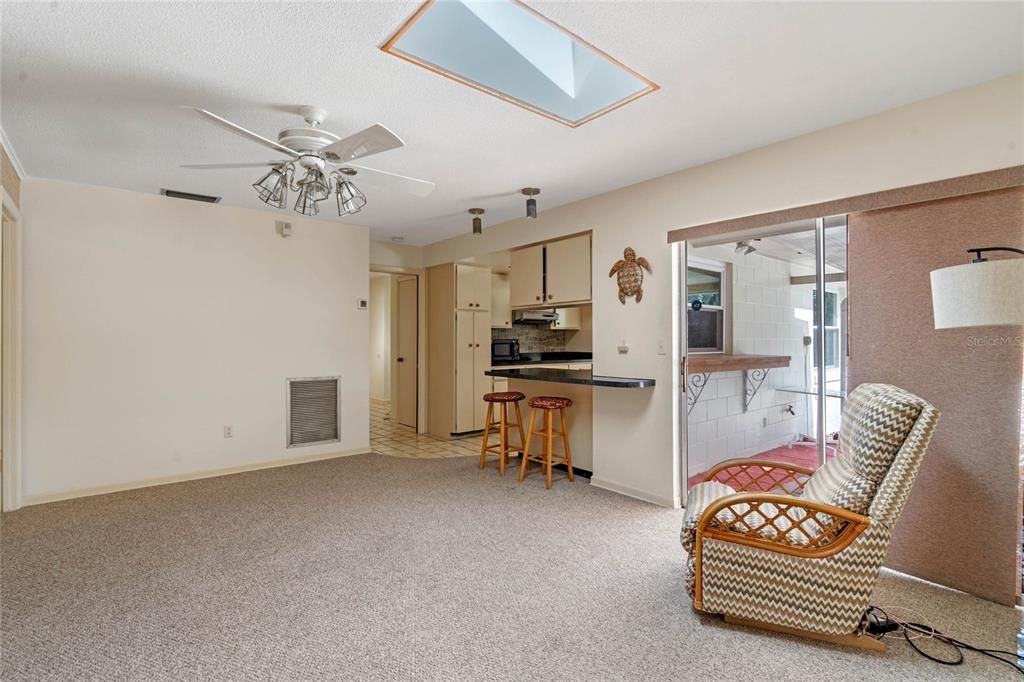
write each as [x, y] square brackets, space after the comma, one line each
[504, 349]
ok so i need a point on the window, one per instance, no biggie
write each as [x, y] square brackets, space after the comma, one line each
[510, 51]
[831, 328]
[706, 314]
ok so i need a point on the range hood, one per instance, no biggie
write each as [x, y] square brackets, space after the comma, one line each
[534, 316]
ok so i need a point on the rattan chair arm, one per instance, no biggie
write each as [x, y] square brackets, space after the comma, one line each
[853, 525]
[764, 463]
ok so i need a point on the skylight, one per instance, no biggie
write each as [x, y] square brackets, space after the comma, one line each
[510, 51]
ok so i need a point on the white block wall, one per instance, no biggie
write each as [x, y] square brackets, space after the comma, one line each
[769, 317]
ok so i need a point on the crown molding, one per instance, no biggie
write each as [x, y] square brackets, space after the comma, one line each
[11, 154]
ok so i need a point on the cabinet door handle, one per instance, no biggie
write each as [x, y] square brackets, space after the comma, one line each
[550, 296]
[538, 298]
[478, 345]
[470, 345]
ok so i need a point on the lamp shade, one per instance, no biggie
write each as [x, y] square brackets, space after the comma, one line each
[979, 294]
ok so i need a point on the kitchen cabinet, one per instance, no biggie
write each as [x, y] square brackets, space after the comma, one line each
[567, 270]
[527, 278]
[458, 346]
[472, 359]
[472, 287]
[568, 318]
[501, 302]
[552, 273]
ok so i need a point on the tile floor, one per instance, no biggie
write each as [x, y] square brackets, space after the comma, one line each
[387, 437]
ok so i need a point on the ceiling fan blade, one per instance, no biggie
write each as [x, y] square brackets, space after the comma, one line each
[258, 164]
[391, 181]
[239, 130]
[373, 140]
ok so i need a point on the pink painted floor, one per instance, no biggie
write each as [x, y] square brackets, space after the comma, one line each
[804, 455]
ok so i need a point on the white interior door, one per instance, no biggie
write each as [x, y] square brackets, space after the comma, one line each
[405, 356]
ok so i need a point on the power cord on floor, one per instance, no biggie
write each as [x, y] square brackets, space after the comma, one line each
[880, 624]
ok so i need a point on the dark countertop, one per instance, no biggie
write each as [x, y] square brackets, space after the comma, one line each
[569, 376]
[551, 358]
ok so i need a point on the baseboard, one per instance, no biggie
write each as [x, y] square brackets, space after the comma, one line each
[576, 471]
[674, 503]
[30, 500]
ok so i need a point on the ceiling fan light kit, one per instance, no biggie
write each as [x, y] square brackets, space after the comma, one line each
[272, 188]
[314, 150]
[350, 199]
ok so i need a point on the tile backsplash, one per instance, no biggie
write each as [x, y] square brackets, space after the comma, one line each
[533, 338]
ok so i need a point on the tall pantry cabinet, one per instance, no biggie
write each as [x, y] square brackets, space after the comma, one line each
[459, 347]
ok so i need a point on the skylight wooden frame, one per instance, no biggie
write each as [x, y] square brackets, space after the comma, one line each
[651, 86]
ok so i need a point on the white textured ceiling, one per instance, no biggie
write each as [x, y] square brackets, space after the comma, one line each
[89, 92]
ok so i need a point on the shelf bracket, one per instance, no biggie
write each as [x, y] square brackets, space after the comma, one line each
[695, 386]
[752, 380]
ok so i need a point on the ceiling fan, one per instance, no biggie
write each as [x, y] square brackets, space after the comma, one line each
[326, 159]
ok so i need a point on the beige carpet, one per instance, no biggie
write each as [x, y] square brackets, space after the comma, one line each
[373, 567]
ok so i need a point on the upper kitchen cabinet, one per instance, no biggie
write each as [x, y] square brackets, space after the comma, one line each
[501, 305]
[527, 278]
[472, 287]
[552, 273]
[568, 270]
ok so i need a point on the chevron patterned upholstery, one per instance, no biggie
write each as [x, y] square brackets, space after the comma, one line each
[884, 434]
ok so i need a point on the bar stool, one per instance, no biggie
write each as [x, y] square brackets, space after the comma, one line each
[548, 457]
[502, 447]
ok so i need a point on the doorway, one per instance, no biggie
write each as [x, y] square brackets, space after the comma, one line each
[394, 345]
[766, 356]
[10, 320]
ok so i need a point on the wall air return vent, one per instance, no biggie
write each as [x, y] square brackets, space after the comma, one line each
[205, 198]
[313, 411]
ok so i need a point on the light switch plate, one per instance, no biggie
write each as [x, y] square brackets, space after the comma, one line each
[362, 304]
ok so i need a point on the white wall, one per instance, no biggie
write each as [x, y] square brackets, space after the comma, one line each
[394, 255]
[150, 323]
[967, 131]
[380, 336]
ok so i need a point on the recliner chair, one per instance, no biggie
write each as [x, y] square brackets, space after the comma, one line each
[782, 547]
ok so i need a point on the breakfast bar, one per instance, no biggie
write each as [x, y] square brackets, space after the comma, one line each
[585, 377]
[577, 385]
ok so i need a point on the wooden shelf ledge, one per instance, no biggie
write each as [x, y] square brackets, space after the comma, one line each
[703, 363]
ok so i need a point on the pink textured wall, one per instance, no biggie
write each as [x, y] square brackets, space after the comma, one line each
[962, 524]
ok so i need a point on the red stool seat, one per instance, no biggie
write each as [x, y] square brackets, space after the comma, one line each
[548, 402]
[504, 397]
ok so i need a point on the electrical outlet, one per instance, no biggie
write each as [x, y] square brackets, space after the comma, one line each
[229, 431]
[623, 348]
[764, 422]
[362, 304]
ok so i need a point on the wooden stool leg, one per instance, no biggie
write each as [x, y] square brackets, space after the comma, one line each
[519, 425]
[503, 440]
[548, 450]
[526, 445]
[565, 442]
[487, 432]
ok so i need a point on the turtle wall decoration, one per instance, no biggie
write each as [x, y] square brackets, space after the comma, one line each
[630, 271]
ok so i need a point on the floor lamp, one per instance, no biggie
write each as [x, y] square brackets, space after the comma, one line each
[981, 293]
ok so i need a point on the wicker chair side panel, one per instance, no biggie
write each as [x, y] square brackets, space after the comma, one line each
[826, 595]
